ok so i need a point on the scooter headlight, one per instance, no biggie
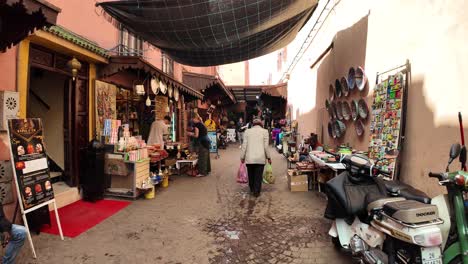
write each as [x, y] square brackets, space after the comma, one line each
[428, 239]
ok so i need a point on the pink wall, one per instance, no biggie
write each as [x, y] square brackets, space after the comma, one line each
[8, 70]
[85, 19]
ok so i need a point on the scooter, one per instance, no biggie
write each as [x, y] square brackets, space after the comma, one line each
[455, 231]
[381, 221]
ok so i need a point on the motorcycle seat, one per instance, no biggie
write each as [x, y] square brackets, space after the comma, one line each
[378, 201]
[395, 188]
[410, 211]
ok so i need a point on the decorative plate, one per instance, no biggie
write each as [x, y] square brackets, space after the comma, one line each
[360, 78]
[339, 110]
[333, 110]
[354, 110]
[338, 90]
[331, 92]
[331, 132]
[359, 126]
[363, 110]
[339, 128]
[344, 86]
[346, 111]
[351, 78]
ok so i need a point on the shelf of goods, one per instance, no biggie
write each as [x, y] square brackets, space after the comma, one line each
[124, 176]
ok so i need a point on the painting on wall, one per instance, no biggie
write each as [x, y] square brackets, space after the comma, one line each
[105, 104]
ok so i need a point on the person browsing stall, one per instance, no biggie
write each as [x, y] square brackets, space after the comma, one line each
[202, 143]
[255, 152]
[13, 236]
[157, 131]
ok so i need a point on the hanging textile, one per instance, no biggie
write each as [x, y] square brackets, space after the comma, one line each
[213, 32]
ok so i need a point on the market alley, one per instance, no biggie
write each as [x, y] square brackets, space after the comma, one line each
[205, 220]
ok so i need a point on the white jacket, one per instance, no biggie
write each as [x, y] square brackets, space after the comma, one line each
[255, 149]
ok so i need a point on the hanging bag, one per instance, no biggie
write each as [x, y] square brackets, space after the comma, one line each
[242, 174]
[268, 177]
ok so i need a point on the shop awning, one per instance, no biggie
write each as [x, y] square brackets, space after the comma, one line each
[119, 64]
[206, 32]
[19, 18]
[280, 90]
[253, 92]
[200, 82]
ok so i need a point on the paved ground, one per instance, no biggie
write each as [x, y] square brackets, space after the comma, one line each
[197, 220]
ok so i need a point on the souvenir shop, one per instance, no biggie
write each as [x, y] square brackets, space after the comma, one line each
[349, 120]
[129, 96]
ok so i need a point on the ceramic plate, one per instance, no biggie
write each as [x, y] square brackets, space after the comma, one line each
[344, 86]
[338, 90]
[331, 92]
[363, 110]
[333, 110]
[330, 130]
[359, 126]
[339, 110]
[339, 128]
[354, 110]
[351, 78]
[361, 78]
[346, 111]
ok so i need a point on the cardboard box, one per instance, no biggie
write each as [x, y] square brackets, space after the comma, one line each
[298, 183]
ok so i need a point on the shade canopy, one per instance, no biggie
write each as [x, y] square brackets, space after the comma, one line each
[213, 32]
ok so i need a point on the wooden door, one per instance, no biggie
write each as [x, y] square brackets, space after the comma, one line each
[75, 128]
[68, 131]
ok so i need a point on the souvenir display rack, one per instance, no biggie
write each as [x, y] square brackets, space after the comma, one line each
[388, 119]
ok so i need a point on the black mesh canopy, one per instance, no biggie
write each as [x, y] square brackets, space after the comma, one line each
[213, 32]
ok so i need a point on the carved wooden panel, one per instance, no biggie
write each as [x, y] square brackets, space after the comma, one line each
[41, 56]
[81, 95]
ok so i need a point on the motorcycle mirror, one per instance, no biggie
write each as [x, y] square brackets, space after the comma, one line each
[463, 155]
[455, 150]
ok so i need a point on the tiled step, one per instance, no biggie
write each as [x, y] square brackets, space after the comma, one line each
[64, 195]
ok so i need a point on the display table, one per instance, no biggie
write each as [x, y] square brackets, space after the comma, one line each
[125, 177]
[335, 166]
[181, 163]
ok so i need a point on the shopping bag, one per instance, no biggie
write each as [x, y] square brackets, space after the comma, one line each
[268, 177]
[242, 174]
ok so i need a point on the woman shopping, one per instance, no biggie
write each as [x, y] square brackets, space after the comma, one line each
[255, 153]
[202, 143]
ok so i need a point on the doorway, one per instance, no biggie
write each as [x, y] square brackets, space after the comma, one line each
[46, 100]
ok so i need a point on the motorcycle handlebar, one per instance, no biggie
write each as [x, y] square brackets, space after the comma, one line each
[440, 176]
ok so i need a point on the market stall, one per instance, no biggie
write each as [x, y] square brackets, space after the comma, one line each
[131, 97]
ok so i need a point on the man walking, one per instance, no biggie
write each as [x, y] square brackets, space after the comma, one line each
[255, 153]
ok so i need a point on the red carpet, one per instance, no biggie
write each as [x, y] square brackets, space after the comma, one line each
[80, 216]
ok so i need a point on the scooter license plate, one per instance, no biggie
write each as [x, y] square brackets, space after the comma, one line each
[431, 255]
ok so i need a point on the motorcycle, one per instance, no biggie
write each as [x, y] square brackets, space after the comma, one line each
[380, 221]
[455, 231]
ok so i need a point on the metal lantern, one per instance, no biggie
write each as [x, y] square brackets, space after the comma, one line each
[74, 65]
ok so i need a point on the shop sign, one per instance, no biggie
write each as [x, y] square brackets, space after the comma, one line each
[213, 142]
[30, 161]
